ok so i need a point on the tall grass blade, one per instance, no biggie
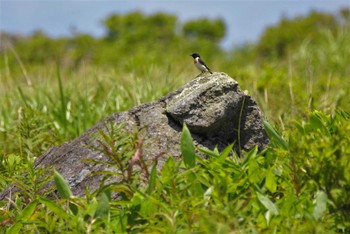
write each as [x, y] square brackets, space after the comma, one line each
[63, 101]
[23, 97]
[275, 137]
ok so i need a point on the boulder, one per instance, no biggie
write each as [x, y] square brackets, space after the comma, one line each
[215, 109]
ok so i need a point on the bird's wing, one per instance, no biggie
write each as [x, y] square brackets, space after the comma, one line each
[202, 63]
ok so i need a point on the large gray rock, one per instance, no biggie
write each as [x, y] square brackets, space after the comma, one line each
[215, 109]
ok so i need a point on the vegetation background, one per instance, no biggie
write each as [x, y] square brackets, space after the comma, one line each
[54, 89]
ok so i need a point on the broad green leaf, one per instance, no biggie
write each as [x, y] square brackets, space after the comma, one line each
[91, 208]
[28, 211]
[148, 208]
[152, 179]
[254, 171]
[137, 199]
[58, 210]
[14, 229]
[267, 203]
[167, 171]
[64, 190]
[275, 137]
[74, 208]
[62, 186]
[103, 206]
[147, 205]
[271, 180]
[187, 148]
[320, 204]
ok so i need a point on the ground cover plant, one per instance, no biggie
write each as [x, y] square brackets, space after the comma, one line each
[300, 183]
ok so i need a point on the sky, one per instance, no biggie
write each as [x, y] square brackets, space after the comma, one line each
[245, 20]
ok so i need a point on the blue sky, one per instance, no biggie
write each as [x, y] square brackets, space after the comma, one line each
[245, 20]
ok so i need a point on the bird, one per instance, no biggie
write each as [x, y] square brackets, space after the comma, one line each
[200, 64]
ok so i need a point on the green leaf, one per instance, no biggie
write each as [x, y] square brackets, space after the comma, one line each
[12, 160]
[208, 152]
[254, 171]
[62, 186]
[168, 170]
[74, 208]
[224, 153]
[152, 180]
[320, 204]
[103, 207]
[196, 187]
[148, 208]
[318, 121]
[28, 211]
[268, 217]
[91, 208]
[23, 217]
[268, 203]
[59, 211]
[275, 137]
[251, 154]
[14, 229]
[187, 148]
[271, 180]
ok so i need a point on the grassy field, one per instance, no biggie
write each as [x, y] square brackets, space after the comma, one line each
[301, 183]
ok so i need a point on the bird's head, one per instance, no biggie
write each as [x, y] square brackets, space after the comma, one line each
[195, 55]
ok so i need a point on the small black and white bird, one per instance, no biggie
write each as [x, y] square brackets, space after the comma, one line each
[200, 64]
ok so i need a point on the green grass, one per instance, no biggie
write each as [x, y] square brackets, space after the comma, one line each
[299, 184]
[286, 188]
[65, 104]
